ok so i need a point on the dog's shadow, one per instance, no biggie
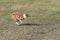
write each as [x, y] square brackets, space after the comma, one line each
[30, 24]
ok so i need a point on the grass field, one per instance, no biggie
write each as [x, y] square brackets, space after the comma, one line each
[43, 23]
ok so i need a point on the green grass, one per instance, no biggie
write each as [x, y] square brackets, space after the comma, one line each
[43, 23]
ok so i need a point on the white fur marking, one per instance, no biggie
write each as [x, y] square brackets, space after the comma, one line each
[24, 15]
[18, 22]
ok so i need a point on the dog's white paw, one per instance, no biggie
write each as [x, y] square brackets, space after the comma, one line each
[17, 23]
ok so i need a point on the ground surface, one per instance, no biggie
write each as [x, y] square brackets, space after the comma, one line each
[43, 23]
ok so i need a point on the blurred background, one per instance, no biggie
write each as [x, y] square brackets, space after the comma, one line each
[43, 23]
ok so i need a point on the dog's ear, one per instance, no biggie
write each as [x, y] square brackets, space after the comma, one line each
[27, 15]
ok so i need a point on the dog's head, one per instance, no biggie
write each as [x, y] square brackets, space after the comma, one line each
[25, 15]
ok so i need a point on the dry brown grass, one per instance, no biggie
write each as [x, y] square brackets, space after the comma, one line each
[43, 24]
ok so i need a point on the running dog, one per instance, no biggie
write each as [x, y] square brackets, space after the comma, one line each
[19, 17]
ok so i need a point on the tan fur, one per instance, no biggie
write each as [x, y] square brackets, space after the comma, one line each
[17, 16]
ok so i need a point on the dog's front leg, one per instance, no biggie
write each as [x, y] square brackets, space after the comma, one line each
[18, 22]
